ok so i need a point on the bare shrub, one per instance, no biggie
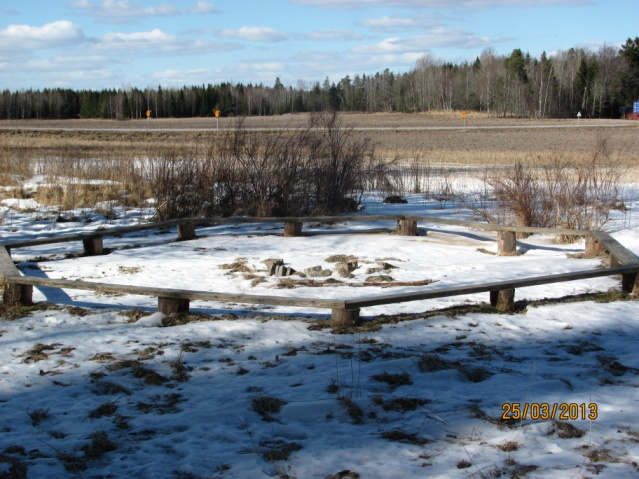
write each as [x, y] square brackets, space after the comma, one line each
[559, 194]
[316, 170]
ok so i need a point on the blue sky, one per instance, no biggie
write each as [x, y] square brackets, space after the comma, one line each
[94, 44]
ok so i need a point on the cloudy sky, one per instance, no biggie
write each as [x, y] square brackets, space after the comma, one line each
[121, 43]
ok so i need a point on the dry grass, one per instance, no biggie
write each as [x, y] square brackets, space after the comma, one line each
[89, 168]
[265, 406]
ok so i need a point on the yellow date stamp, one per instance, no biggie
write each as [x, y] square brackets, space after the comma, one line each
[549, 411]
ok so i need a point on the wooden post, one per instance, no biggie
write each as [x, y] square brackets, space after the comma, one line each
[345, 317]
[594, 247]
[630, 283]
[173, 305]
[503, 300]
[507, 242]
[186, 231]
[293, 228]
[635, 286]
[15, 294]
[93, 246]
[406, 227]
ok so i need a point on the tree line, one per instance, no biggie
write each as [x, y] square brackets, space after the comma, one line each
[597, 84]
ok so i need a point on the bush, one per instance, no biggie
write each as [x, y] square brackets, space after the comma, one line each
[560, 194]
[314, 171]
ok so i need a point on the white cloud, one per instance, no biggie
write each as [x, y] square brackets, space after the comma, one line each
[334, 35]
[123, 11]
[155, 37]
[52, 35]
[173, 77]
[437, 37]
[255, 34]
[395, 23]
[203, 8]
[161, 43]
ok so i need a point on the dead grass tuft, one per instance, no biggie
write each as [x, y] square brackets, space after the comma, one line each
[393, 380]
[104, 388]
[102, 357]
[38, 415]
[429, 363]
[566, 430]
[265, 406]
[148, 376]
[179, 319]
[109, 408]
[403, 404]
[354, 411]
[509, 446]
[278, 450]
[601, 455]
[399, 435]
[100, 444]
[38, 352]
[345, 474]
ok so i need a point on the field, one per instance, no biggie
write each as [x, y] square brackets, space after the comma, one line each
[101, 386]
[429, 135]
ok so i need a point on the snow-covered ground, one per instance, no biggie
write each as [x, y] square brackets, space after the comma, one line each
[91, 389]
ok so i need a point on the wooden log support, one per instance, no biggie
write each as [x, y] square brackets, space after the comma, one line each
[503, 299]
[345, 317]
[507, 241]
[15, 294]
[173, 305]
[635, 286]
[619, 256]
[186, 231]
[93, 246]
[293, 228]
[594, 247]
[406, 228]
[630, 283]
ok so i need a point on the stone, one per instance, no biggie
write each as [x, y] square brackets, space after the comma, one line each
[345, 269]
[272, 264]
[317, 272]
[281, 271]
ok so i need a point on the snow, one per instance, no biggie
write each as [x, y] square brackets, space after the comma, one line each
[88, 389]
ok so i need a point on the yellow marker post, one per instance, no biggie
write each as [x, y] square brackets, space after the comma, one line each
[217, 118]
[148, 114]
[464, 115]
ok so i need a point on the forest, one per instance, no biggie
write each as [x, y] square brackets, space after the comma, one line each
[597, 84]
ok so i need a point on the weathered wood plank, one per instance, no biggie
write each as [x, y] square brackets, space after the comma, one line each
[433, 293]
[82, 236]
[493, 227]
[13, 293]
[7, 268]
[307, 219]
[178, 293]
[617, 251]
